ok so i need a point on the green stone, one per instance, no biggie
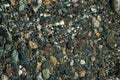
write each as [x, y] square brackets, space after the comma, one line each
[46, 73]
[14, 56]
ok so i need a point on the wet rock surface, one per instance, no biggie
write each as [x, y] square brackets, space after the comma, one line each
[59, 40]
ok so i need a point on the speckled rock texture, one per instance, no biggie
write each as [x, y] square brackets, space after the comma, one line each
[59, 40]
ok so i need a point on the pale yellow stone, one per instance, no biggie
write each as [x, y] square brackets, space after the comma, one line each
[53, 60]
[97, 34]
[82, 73]
[12, 2]
[26, 36]
[90, 33]
[32, 45]
[39, 65]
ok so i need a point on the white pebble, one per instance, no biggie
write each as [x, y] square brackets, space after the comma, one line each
[73, 36]
[95, 22]
[118, 50]
[20, 66]
[20, 72]
[4, 77]
[76, 76]
[82, 62]
[93, 9]
[72, 63]
[6, 5]
[62, 22]
[68, 30]
[39, 27]
[99, 18]
[100, 46]
[92, 58]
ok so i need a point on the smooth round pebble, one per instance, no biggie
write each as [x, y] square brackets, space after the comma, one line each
[46, 73]
[4, 77]
[72, 63]
[82, 62]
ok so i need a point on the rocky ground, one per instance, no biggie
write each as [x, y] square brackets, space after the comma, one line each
[59, 40]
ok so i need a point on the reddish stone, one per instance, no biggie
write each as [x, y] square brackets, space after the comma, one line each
[75, 5]
[9, 70]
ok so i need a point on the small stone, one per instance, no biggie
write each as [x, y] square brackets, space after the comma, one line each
[9, 70]
[4, 77]
[7, 5]
[45, 64]
[53, 60]
[15, 57]
[46, 73]
[72, 63]
[20, 72]
[47, 48]
[39, 27]
[95, 22]
[82, 62]
[26, 36]
[62, 22]
[82, 73]
[92, 58]
[93, 9]
[100, 47]
[35, 9]
[33, 45]
[100, 29]
[99, 18]
[69, 45]
[24, 71]
[8, 47]
[75, 5]
[22, 4]
[89, 33]
[12, 2]
[76, 75]
[101, 72]
[39, 65]
[111, 41]
[98, 35]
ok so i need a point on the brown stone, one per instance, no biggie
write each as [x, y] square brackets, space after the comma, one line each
[9, 70]
[82, 73]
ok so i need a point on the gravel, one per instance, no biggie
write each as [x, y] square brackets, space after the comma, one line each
[59, 40]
